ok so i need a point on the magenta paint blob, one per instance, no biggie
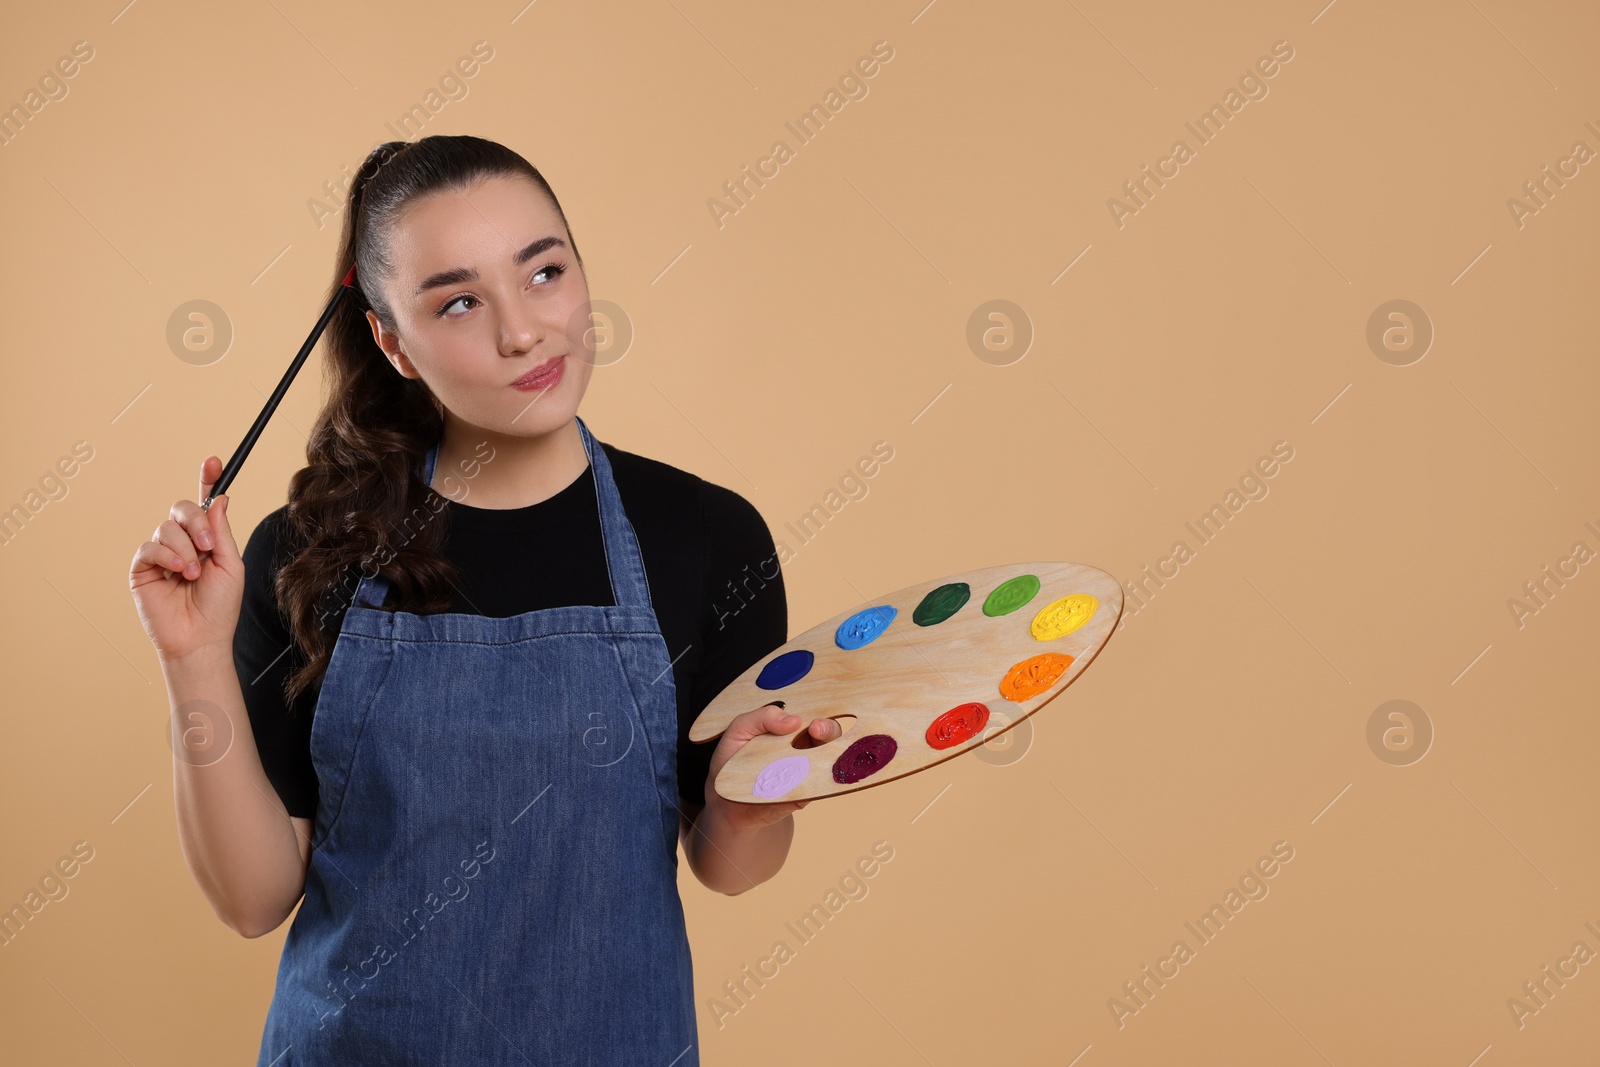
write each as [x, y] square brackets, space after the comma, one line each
[867, 756]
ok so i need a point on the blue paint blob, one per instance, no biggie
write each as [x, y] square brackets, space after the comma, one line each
[785, 669]
[862, 628]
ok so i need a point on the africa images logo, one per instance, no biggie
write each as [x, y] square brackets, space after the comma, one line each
[1252, 86]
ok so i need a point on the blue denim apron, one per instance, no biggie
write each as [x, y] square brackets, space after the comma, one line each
[493, 874]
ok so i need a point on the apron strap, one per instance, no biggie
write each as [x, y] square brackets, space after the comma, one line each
[624, 563]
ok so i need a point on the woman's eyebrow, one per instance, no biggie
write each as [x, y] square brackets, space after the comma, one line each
[470, 274]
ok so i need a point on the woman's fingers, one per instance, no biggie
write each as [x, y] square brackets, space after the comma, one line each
[825, 730]
[172, 535]
[153, 555]
[196, 523]
[773, 719]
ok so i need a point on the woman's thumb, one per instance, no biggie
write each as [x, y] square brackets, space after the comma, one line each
[226, 546]
[767, 719]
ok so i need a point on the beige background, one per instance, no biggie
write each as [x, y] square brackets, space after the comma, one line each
[829, 313]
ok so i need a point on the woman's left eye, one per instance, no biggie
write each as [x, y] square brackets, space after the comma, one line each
[555, 270]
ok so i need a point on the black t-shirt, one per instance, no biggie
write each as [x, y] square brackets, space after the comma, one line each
[707, 557]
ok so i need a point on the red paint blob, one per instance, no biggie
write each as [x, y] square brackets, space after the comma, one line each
[957, 725]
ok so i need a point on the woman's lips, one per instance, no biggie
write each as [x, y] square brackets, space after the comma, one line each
[543, 376]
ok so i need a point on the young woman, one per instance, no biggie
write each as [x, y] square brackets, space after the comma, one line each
[467, 760]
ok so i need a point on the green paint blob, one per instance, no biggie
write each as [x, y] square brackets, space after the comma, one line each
[1011, 594]
[941, 603]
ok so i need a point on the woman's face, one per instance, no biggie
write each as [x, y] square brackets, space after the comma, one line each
[485, 290]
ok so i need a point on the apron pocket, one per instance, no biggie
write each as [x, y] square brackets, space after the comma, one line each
[349, 693]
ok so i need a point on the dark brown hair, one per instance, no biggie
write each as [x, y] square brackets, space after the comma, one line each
[359, 505]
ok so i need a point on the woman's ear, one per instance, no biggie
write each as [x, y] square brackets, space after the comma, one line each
[390, 343]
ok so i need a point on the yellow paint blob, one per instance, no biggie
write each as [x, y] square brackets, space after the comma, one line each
[1060, 617]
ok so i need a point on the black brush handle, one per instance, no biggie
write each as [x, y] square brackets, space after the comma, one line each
[236, 461]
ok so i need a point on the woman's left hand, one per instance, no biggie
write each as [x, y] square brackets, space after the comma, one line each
[767, 719]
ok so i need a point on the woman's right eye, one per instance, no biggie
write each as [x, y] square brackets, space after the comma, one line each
[448, 303]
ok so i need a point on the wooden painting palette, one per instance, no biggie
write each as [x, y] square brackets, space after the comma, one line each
[928, 672]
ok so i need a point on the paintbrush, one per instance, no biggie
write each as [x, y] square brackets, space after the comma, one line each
[237, 459]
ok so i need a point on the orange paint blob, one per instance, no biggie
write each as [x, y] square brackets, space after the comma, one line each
[1034, 675]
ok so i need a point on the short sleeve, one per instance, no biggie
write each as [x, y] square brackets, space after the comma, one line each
[746, 616]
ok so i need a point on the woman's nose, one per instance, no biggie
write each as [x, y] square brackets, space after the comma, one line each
[520, 331]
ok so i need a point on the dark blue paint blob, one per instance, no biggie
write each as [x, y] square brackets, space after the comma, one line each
[862, 628]
[785, 669]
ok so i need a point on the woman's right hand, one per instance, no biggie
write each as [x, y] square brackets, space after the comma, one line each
[188, 579]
